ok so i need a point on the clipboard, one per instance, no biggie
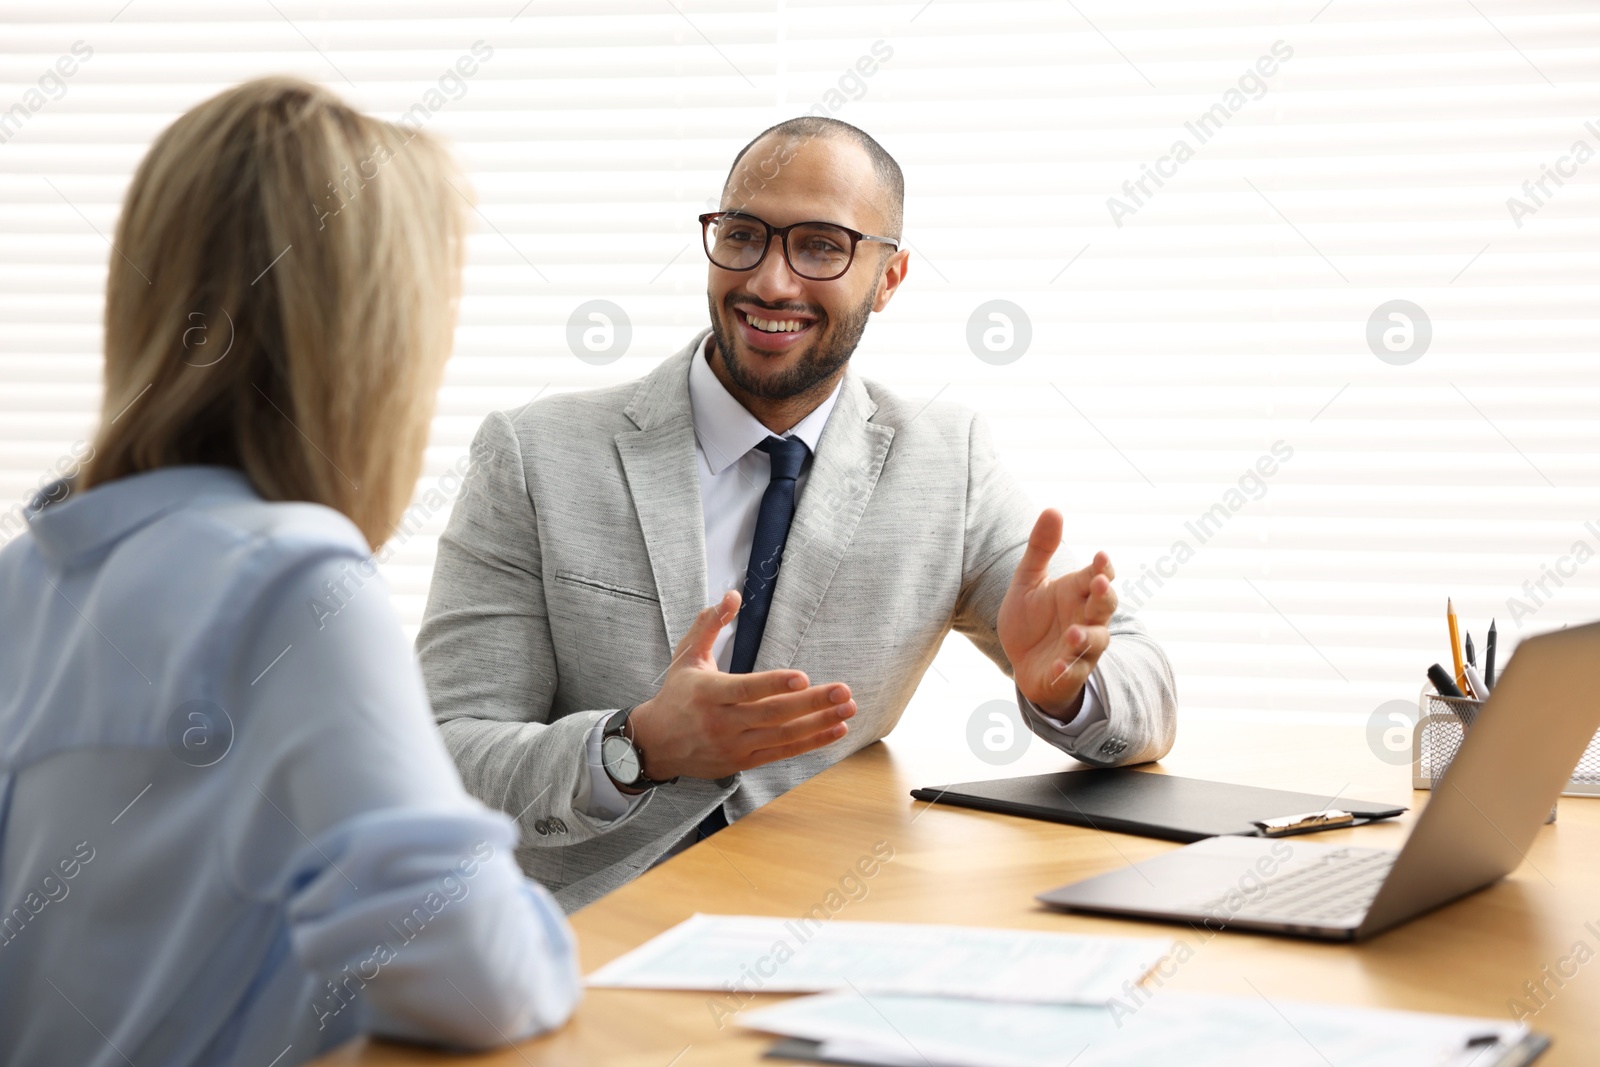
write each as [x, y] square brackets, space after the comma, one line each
[1150, 804]
[1530, 1048]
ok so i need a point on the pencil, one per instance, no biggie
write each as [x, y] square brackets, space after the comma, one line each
[1488, 658]
[1455, 644]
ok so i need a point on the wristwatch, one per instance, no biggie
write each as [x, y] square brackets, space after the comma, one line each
[621, 756]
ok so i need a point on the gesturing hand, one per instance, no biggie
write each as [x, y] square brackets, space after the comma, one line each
[1054, 632]
[705, 723]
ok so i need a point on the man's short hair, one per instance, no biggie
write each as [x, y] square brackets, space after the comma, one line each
[811, 127]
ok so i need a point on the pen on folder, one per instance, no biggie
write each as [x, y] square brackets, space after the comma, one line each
[1455, 644]
[1442, 682]
[1488, 658]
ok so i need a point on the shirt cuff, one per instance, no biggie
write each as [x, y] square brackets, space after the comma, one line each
[597, 795]
[1091, 711]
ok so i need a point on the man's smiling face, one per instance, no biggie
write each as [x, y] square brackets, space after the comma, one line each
[781, 335]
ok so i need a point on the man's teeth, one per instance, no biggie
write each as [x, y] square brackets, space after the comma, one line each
[775, 325]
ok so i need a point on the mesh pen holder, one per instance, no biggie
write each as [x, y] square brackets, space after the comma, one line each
[1443, 723]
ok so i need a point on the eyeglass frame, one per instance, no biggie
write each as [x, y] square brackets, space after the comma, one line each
[782, 234]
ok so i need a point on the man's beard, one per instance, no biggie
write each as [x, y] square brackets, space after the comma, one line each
[828, 353]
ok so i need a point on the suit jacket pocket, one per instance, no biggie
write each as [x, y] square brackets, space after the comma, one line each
[609, 588]
[610, 642]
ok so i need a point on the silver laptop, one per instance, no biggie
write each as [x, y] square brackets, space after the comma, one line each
[1475, 829]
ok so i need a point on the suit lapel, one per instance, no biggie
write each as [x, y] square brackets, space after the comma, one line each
[663, 479]
[850, 456]
[662, 471]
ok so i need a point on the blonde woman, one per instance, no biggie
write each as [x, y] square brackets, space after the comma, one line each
[229, 832]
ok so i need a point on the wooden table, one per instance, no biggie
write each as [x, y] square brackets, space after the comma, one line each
[957, 866]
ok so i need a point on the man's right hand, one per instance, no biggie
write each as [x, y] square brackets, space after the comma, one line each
[706, 723]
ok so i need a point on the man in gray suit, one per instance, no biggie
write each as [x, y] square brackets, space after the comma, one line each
[837, 530]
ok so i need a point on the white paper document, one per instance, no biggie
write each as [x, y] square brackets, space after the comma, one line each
[755, 954]
[1171, 1028]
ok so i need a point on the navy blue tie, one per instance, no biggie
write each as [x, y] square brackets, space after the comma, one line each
[761, 576]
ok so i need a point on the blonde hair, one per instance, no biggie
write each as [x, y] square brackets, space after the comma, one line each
[282, 301]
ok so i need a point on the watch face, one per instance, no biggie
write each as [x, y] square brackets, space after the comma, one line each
[621, 759]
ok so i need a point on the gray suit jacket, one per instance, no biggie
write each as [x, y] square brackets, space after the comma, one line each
[575, 559]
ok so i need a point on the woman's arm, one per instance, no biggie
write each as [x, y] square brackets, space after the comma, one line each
[400, 890]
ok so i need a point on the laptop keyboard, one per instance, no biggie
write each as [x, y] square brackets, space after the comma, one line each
[1340, 885]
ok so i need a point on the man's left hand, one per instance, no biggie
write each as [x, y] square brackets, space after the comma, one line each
[1054, 631]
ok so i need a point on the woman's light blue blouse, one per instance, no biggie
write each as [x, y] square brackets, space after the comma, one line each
[229, 831]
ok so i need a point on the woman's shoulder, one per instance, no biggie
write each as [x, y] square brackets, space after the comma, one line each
[153, 592]
[269, 527]
[236, 559]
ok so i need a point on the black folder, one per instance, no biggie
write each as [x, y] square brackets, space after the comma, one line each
[1149, 804]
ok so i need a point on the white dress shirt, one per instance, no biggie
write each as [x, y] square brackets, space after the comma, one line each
[225, 809]
[733, 478]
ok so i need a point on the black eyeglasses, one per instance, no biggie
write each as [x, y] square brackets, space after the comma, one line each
[820, 251]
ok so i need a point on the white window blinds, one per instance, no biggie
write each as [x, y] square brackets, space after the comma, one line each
[1289, 306]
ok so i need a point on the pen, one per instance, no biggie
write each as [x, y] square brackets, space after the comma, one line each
[1441, 681]
[1472, 660]
[1475, 680]
[1455, 644]
[1488, 658]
